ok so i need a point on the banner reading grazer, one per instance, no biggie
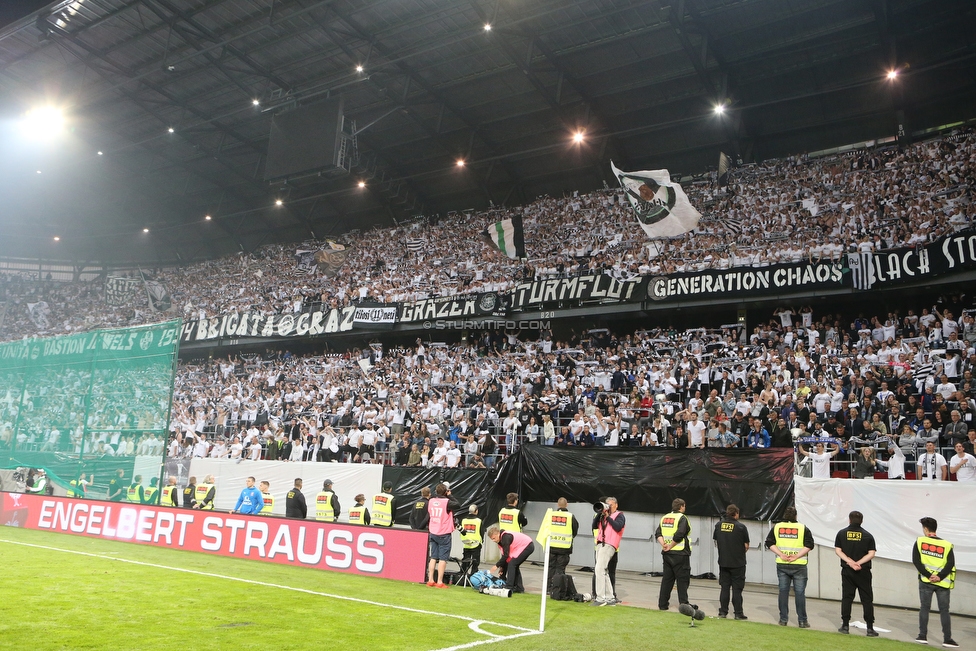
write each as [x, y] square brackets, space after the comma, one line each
[389, 553]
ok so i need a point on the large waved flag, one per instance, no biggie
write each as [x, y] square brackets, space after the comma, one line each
[509, 236]
[661, 206]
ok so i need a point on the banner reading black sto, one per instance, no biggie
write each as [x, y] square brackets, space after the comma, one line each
[645, 480]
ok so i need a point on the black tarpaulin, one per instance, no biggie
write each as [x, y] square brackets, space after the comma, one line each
[467, 486]
[759, 482]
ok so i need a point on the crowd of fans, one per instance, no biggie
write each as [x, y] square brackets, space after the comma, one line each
[811, 207]
[857, 382]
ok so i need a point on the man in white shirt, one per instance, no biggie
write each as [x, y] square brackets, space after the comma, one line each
[963, 464]
[440, 454]
[932, 465]
[820, 460]
[453, 455]
[696, 431]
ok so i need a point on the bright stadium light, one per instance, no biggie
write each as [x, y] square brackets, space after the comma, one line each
[359, 68]
[57, 239]
[145, 230]
[207, 217]
[578, 137]
[362, 184]
[892, 74]
[43, 122]
[719, 109]
[100, 153]
[279, 202]
[487, 27]
[460, 162]
[256, 102]
[171, 130]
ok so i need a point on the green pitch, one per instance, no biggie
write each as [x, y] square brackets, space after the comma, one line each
[105, 595]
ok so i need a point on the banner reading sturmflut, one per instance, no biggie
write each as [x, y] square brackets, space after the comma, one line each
[661, 206]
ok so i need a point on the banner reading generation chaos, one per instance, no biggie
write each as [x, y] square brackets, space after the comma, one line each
[738, 281]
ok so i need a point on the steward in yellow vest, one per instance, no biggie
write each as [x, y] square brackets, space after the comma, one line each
[204, 494]
[170, 493]
[560, 527]
[511, 517]
[471, 539]
[935, 561]
[152, 492]
[359, 514]
[135, 493]
[673, 534]
[326, 504]
[384, 508]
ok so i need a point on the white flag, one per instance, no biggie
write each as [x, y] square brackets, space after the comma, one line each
[662, 207]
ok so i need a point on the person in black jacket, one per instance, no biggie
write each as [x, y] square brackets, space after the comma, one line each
[732, 540]
[190, 494]
[295, 506]
[419, 517]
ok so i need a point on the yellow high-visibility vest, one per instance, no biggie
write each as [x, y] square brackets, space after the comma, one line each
[788, 537]
[935, 554]
[669, 527]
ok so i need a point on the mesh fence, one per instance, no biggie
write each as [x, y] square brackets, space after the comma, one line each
[91, 404]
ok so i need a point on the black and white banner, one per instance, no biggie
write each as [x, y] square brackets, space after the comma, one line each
[723, 283]
[950, 254]
[120, 290]
[454, 307]
[247, 325]
[378, 315]
[576, 289]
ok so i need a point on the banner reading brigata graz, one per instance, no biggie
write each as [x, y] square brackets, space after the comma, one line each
[949, 254]
[250, 324]
[370, 551]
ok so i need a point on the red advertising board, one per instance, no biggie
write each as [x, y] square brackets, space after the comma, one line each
[369, 551]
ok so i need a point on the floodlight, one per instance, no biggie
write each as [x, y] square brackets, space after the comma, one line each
[362, 184]
[460, 162]
[43, 122]
[487, 27]
[171, 130]
[892, 74]
[256, 102]
[99, 153]
[719, 109]
[207, 217]
[57, 239]
[145, 230]
[359, 68]
[279, 202]
[578, 137]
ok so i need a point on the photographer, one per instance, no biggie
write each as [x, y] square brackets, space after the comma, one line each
[516, 547]
[609, 525]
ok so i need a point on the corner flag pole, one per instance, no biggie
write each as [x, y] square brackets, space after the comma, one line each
[545, 587]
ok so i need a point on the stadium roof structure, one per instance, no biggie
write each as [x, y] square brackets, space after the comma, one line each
[168, 105]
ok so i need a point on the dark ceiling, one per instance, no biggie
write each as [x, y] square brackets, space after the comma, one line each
[640, 79]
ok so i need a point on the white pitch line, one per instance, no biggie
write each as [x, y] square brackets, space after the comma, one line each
[472, 620]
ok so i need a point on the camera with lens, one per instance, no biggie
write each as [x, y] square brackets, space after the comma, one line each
[600, 507]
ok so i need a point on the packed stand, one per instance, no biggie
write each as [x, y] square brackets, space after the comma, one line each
[888, 384]
[817, 208]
